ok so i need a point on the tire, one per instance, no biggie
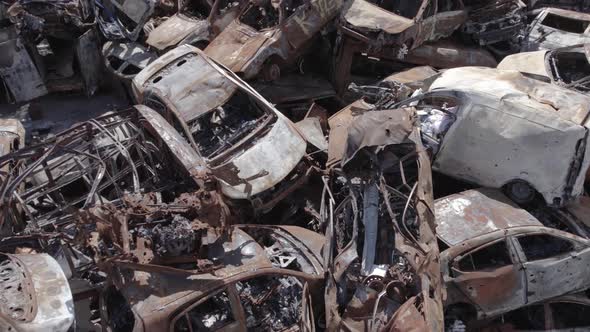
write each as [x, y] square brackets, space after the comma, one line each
[520, 192]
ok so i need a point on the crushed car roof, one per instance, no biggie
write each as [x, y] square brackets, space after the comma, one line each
[193, 93]
[472, 213]
[513, 86]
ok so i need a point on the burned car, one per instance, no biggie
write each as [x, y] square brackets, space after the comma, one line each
[125, 20]
[488, 117]
[35, 294]
[18, 73]
[381, 252]
[269, 35]
[93, 163]
[196, 23]
[494, 21]
[400, 27]
[500, 258]
[555, 28]
[255, 152]
[53, 47]
[389, 30]
[568, 67]
[257, 277]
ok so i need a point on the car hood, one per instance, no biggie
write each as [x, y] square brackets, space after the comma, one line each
[265, 164]
[364, 15]
[175, 29]
[237, 45]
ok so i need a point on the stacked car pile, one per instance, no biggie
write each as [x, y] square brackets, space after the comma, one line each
[286, 165]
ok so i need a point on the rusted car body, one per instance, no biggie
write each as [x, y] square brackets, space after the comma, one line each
[269, 35]
[196, 23]
[255, 152]
[381, 253]
[61, 52]
[376, 28]
[564, 313]
[495, 21]
[118, 20]
[92, 163]
[35, 294]
[488, 117]
[398, 28]
[567, 67]
[501, 258]
[260, 277]
[555, 28]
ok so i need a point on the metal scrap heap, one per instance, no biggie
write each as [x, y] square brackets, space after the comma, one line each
[294, 165]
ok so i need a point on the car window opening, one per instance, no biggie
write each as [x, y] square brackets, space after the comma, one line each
[571, 68]
[541, 246]
[565, 23]
[271, 303]
[211, 315]
[219, 129]
[488, 258]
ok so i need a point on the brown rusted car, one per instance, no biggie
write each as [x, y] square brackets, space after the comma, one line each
[388, 29]
[269, 35]
[196, 23]
[255, 152]
[265, 278]
[500, 257]
[382, 265]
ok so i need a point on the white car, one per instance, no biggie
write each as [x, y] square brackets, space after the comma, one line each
[500, 129]
[254, 151]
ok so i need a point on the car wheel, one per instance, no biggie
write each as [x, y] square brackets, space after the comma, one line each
[520, 192]
[271, 72]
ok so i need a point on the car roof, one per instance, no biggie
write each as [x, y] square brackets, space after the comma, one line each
[509, 85]
[472, 213]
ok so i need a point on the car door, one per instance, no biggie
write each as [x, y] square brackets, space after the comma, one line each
[219, 311]
[491, 277]
[554, 265]
[17, 69]
[89, 60]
